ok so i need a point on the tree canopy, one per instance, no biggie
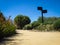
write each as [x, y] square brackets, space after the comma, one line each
[21, 21]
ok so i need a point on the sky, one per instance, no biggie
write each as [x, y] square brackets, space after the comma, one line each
[29, 8]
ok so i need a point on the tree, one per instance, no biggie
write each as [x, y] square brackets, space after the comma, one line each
[21, 21]
[2, 18]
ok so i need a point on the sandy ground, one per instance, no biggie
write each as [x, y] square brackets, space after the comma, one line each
[25, 37]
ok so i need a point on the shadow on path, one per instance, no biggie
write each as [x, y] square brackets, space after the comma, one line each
[11, 39]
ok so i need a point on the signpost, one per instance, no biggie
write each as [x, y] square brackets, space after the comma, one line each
[42, 11]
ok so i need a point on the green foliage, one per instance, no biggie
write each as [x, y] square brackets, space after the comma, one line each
[50, 20]
[9, 29]
[57, 25]
[46, 26]
[2, 18]
[50, 24]
[41, 27]
[49, 27]
[1, 31]
[6, 27]
[47, 20]
[21, 21]
[40, 19]
[27, 27]
[35, 24]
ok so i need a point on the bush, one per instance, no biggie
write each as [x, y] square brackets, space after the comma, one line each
[41, 27]
[9, 29]
[27, 27]
[1, 31]
[35, 24]
[6, 29]
[56, 25]
[49, 27]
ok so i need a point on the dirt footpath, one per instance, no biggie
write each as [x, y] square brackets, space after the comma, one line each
[25, 37]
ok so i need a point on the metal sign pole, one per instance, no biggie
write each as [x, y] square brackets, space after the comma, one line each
[42, 18]
[42, 11]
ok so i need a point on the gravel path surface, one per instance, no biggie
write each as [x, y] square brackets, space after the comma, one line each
[25, 37]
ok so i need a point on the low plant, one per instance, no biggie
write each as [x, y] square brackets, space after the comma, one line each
[56, 25]
[27, 27]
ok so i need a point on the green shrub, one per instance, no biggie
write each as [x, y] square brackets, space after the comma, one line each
[27, 27]
[9, 29]
[57, 25]
[1, 31]
[35, 24]
[49, 27]
[41, 27]
[6, 29]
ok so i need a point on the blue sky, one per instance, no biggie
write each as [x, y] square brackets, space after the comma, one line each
[29, 8]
